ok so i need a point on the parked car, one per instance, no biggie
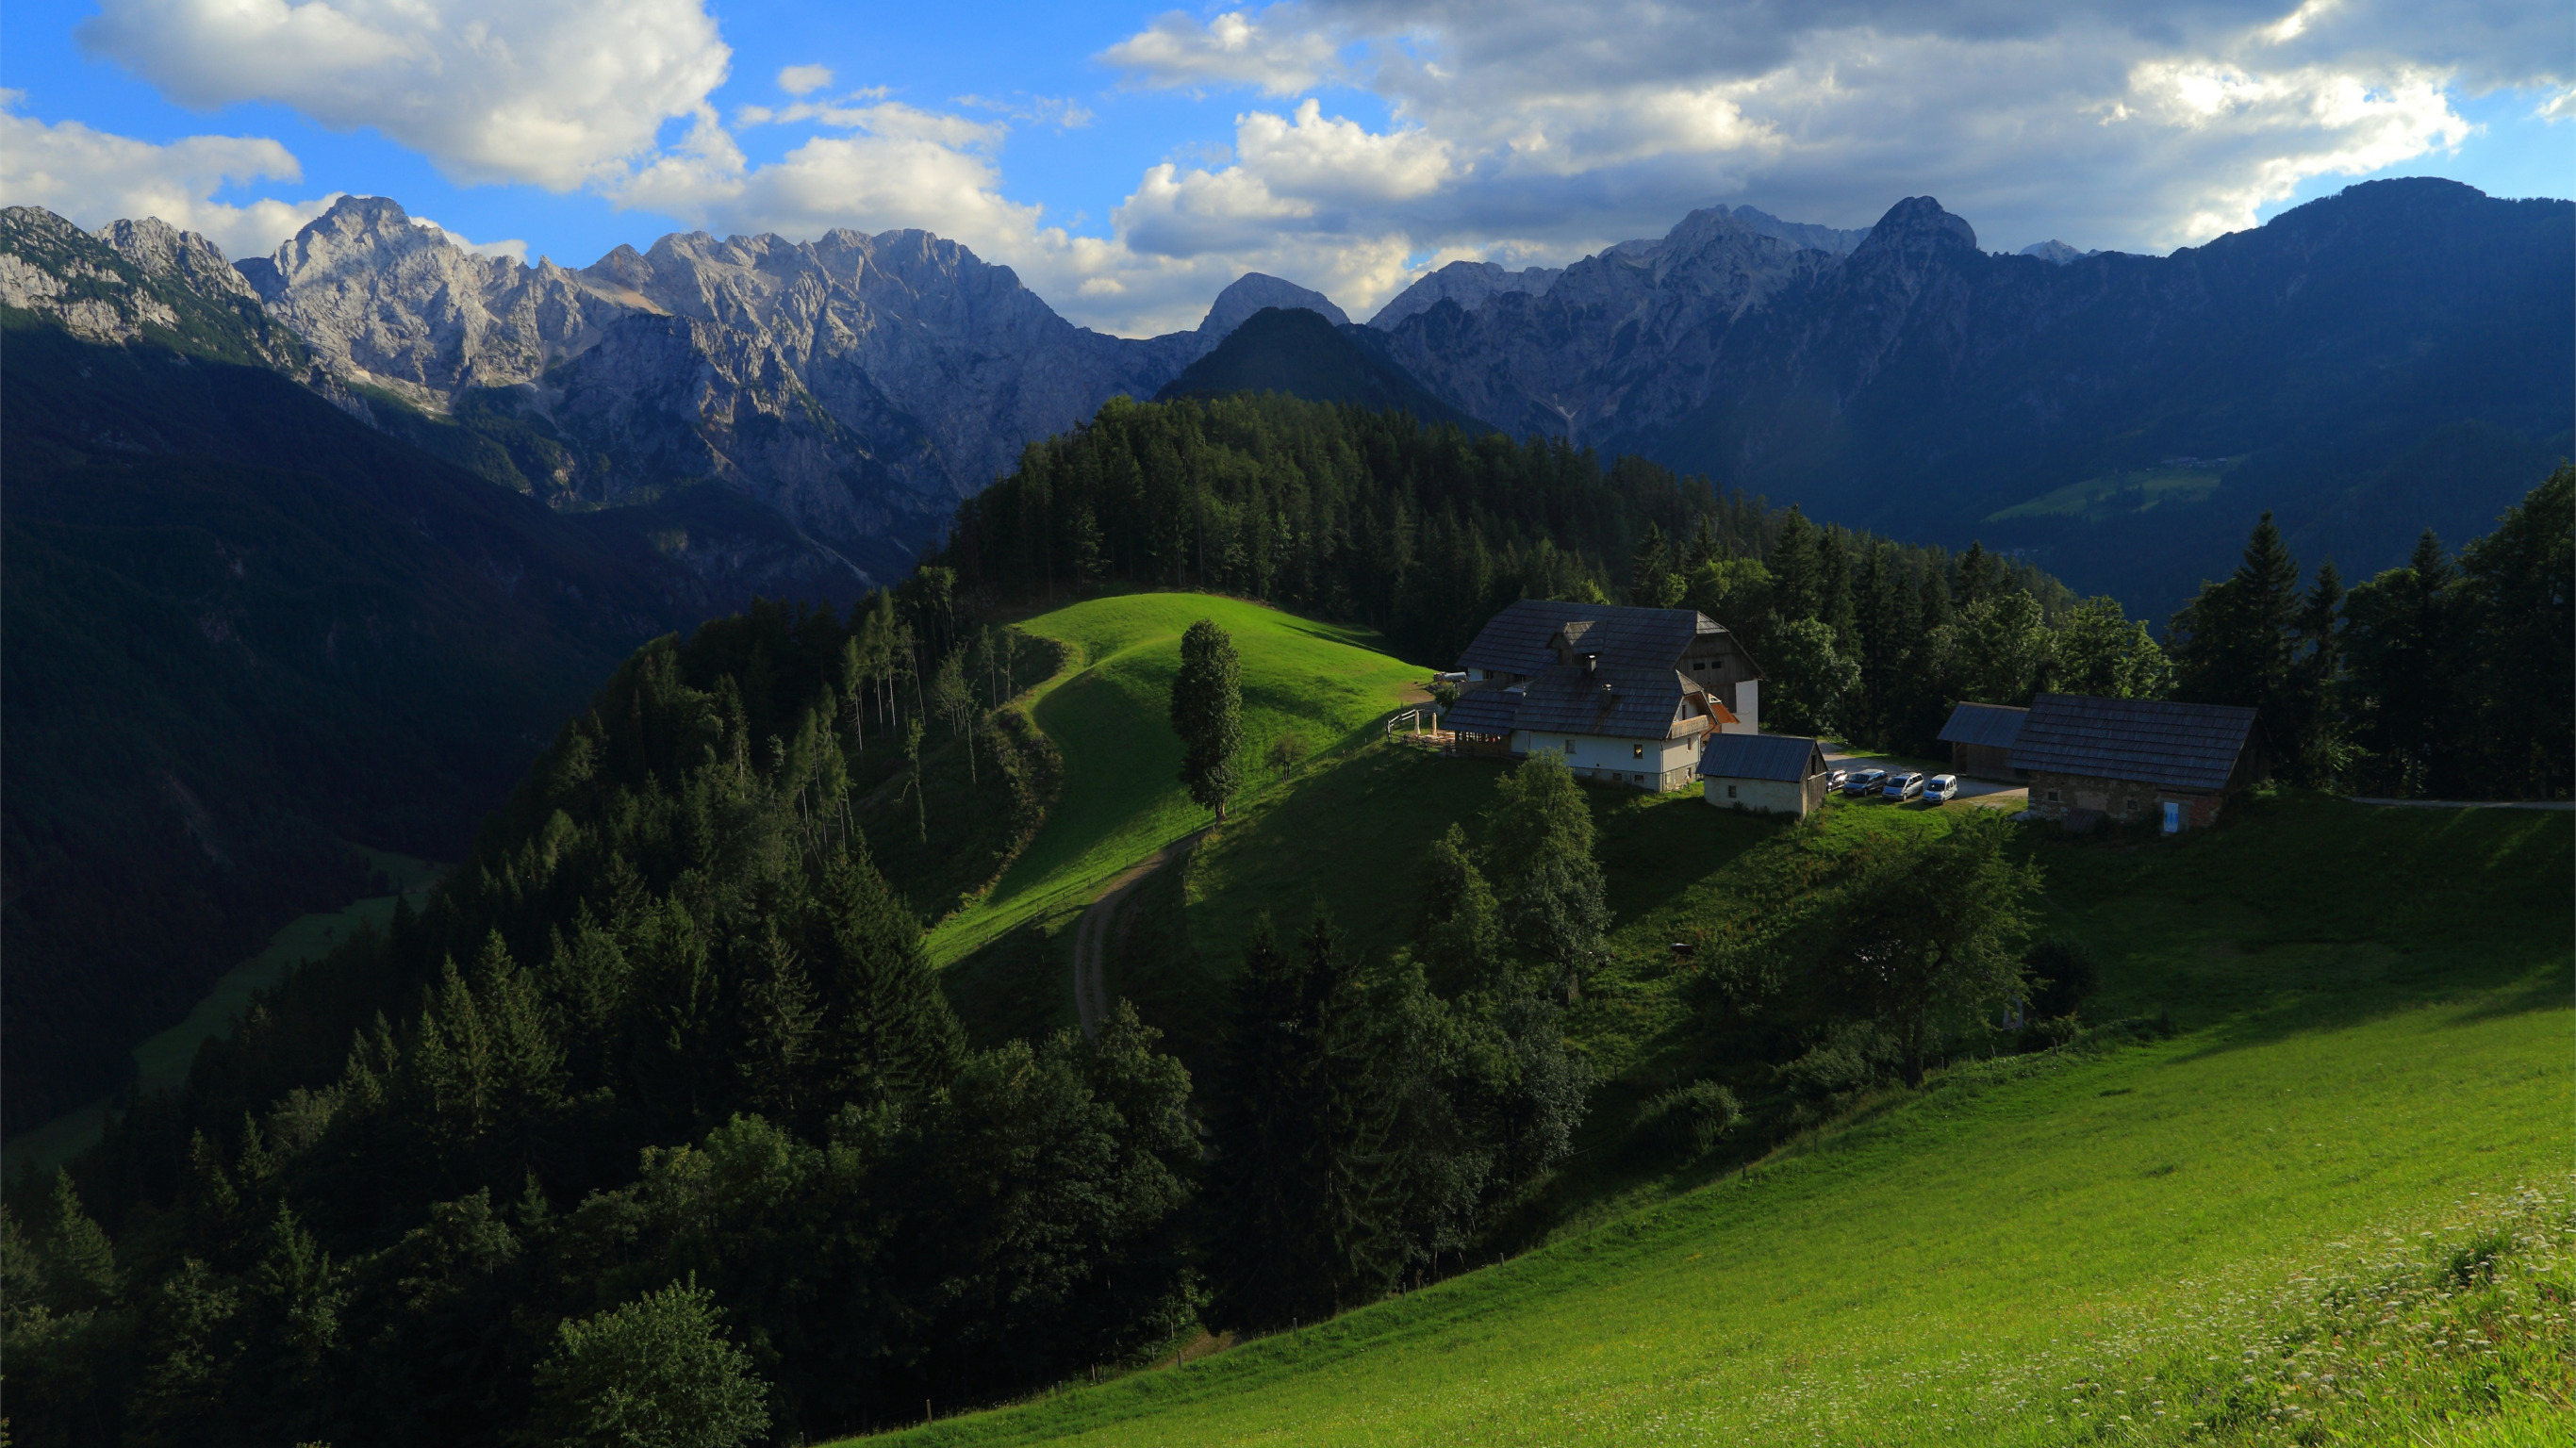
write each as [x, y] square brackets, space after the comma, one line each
[1835, 779]
[1863, 781]
[1941, 789]
[1902, 787]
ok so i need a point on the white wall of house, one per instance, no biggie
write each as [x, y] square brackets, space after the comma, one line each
[1658, 765]
[1747, 707]
[1759, 796]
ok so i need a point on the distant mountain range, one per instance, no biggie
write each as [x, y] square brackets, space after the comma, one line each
[2390, 358]
[2365, 365]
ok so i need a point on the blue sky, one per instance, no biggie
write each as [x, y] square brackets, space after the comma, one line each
[1129, 160]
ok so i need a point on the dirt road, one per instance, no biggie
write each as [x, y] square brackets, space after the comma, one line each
[1100, 928]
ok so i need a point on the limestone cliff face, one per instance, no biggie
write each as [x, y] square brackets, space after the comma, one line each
[858, 385]
[152, 280]
[1617, 339]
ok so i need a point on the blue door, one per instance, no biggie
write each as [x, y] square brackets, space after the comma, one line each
[2173, 817]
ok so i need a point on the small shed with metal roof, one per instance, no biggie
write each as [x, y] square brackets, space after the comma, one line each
[2134, 759]
[1764, 773]
[1981, 738]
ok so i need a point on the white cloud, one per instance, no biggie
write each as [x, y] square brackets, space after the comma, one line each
[2559, 107]
[1272, 53]
[515, 249]
[94, 178]
[1557, 126]
[799, 80]
[558, 93]
[1063, 113]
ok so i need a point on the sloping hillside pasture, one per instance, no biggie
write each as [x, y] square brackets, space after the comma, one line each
[2371, 1018]
[1108, 714]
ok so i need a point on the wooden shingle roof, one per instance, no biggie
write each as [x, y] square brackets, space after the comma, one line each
[1761, 756]
[1484, 711]
[1624, 703]
[1518, 639]
[2147, 741]
[1992, 725]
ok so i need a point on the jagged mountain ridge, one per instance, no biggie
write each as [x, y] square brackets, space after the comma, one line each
[1899, 377]
[2322, 366]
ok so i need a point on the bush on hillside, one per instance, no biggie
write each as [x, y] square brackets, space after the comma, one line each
[2063, 975]
[1687, 1120]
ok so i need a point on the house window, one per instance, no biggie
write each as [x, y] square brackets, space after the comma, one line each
[2052, 796]
[1569, 746]
[1730, 791]
[1637, 751]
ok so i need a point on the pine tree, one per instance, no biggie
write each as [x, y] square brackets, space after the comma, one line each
[1305, 1218]
[886, 1025]
[80, 1263]
[2403, 650]
[1207, 712]
[1460, 937]
[1797, 574]
[2234, 643]
[781, 1021]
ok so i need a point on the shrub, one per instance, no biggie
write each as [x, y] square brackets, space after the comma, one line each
[1688, 1119]
[1287, 751]
[657, 1372]
[2063, 975]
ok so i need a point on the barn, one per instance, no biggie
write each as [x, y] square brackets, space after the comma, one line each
[1981, 738]
[2092, 758]
[1763, 773]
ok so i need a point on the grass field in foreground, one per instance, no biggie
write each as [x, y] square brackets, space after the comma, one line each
[2376, 1033]
[1108, 713]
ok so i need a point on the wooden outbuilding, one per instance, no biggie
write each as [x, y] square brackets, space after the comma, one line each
[1763, 773]
[2091, 758]
[1981, 738]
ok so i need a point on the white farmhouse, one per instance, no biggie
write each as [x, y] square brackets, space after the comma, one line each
[1623, 695]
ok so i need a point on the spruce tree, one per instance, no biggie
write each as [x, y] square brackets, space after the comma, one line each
[886, 1028]
[1460, 938]
[1207, 712]
[1305, 1224]
[1797, 575]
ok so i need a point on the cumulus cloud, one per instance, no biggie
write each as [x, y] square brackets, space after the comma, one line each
[94, 178]
[558, 93]
[1277, 53]
[799, 80]
[1557, 128]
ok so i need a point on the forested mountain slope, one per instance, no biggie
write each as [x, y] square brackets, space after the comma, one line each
[244, 629]
[1302, 353]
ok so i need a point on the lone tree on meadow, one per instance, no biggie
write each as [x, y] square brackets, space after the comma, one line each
[1927, 939]
[1207, 712]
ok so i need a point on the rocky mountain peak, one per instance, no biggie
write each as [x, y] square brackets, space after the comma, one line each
[1468, 283]
[165, 253]
[1803, 233]
[1917, 220]
[2054, 252]
[1253, 291]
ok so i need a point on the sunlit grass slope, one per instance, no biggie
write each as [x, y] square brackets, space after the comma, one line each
[1108, 713]
[2374, 1021]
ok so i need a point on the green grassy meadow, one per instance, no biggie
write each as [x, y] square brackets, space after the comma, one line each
[162, 1062]
[2116, 495]
[1108, 714]
[2371, 1027]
